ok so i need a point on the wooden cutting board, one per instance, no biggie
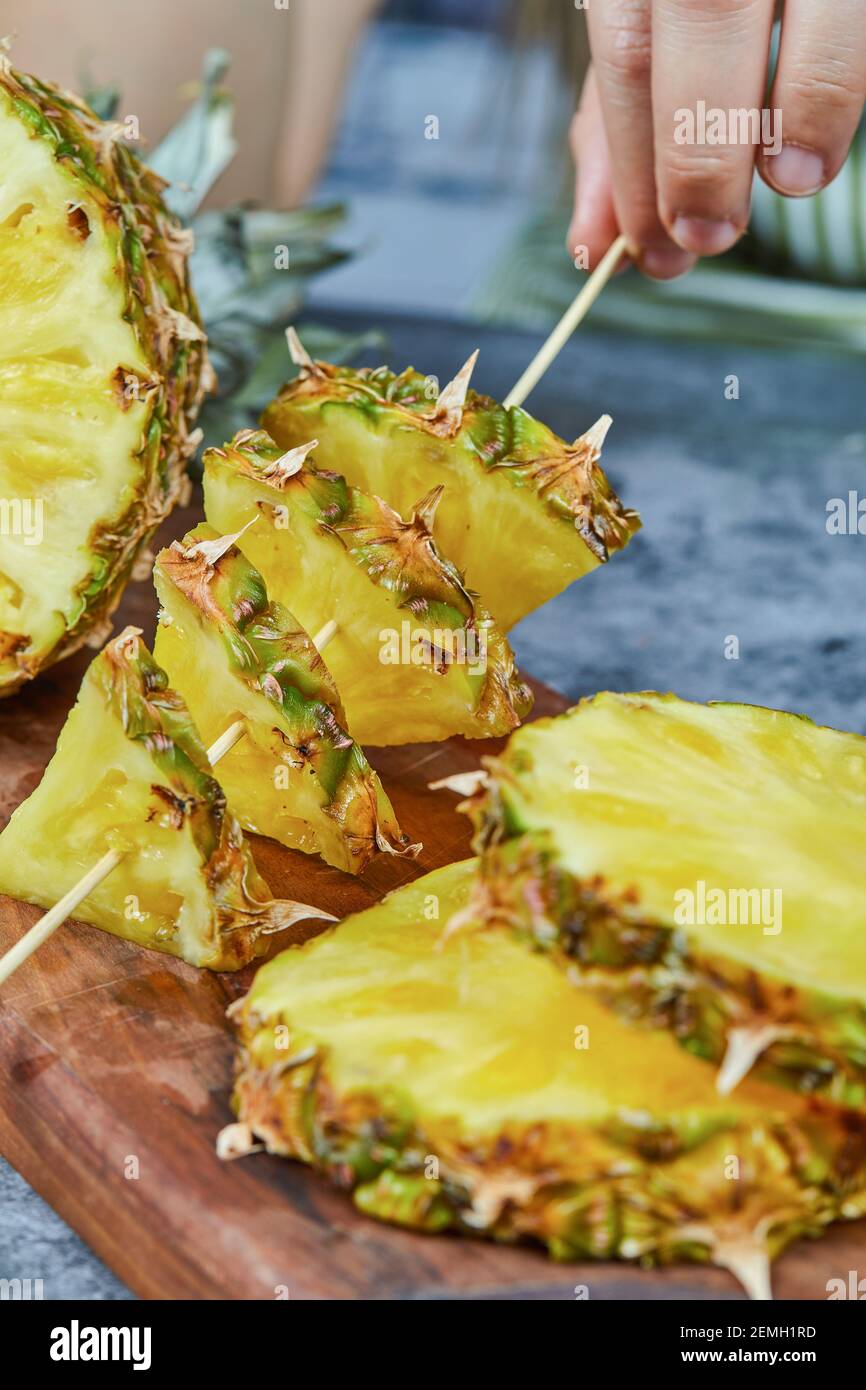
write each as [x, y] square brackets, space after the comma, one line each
[116, 1068]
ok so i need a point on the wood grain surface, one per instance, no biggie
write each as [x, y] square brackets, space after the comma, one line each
[118, 1061]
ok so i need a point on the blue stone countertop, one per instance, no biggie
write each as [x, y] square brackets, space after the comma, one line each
[734, 496]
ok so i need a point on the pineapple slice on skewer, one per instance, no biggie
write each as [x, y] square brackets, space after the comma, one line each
[700, 868]
[130, 774]
[416, 658]
[297, 776]
[464, 1084]
[514, 491]
[102, 370]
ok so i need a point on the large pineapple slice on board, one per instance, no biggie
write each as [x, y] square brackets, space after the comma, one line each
[296, 775]
[415, 657]
[464, 1083]
[131, 774]
[102, 367]
[523, 515]
[701, 867]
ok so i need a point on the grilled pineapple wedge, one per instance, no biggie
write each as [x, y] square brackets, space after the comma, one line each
[130, 774]
[102, 370]
[415, 657]
[513, 488]
[463, 1083]
[297, 775]
[701, 867]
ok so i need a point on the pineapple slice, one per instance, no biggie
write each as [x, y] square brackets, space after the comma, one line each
[102, 370]
[296, 775]
[416, 658]
[130, 773]
[513, 489]
[701, 867]
[463, 1083]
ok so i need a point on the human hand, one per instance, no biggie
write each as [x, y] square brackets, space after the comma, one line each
[656, 59]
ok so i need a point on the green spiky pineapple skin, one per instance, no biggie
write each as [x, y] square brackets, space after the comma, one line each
[133, 693]
[397, 557]
[371, 426]
[645, 1188]
[267, 650]
[649, 973]
[150, 265]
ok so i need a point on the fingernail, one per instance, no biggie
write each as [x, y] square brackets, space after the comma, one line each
[703, 236]
[665, 262]
[795, 170]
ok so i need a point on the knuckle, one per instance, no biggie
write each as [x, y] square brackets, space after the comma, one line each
[626, 67]
[701, 170]
[627, 51]
[833, 89]
[710, 13]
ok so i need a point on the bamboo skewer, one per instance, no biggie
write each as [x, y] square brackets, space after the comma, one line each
[57, 915]
[231, 736]
[47, 925]
[326, 634]
[582, 303]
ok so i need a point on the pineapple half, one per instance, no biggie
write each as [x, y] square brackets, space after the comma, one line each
[416, 657]
[131, 774]
[102, 370]
[463, 1084]
[513, 489]
[296, 775]
[701, 868]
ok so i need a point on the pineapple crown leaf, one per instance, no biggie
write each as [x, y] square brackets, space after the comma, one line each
[202, 145]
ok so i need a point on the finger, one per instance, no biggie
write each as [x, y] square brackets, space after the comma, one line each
[709, 78]
[619, 32]
[593, 224]
[819, 88]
